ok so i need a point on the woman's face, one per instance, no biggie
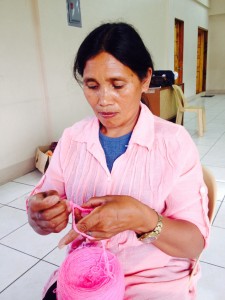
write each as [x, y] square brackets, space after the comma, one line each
[113, 91]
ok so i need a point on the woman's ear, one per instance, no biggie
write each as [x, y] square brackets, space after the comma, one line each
[146, 80]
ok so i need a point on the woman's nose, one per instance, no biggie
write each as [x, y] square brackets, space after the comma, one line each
[104, 97]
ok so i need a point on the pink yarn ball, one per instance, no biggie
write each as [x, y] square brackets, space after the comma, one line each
[90, 273]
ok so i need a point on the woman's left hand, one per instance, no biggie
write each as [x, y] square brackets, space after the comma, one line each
[112, 215]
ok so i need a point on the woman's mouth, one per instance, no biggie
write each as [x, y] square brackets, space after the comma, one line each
[107, 115]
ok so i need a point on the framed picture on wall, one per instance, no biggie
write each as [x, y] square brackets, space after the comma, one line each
[74, 13]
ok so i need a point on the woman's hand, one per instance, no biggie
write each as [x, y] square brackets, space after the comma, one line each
[48, 213]
[112, 215]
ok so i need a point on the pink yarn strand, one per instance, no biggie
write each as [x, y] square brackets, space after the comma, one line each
[84, 210]
[90, 271]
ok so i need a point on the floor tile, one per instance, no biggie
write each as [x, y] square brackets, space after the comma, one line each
[215, 253]
[211, 286]
[204, 140]
[216, 126]
[11, 219]
[217, 207]
[12, 190]
[13, 264]
[28, 241]
[19, 202]
[210, 134]
[188, 116]
[30, 285]
[31, 178]
[219, 119]
[56, 256]
[215, 156]
[220, 217]
[220, 190]
[192, 132]
[203, 150]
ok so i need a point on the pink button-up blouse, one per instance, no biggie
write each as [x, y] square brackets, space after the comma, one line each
[160, 168]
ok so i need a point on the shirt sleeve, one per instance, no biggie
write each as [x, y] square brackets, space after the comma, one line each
[188, 198]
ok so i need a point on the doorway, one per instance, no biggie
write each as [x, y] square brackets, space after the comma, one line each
[178, 49]
[201, 60]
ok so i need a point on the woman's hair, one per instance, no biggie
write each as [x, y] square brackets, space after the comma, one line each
[121, 41]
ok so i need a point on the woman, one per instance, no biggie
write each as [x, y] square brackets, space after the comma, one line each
[141, 174]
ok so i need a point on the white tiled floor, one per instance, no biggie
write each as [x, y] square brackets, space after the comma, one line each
[27, 259]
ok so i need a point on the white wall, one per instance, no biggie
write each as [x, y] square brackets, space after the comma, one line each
[194, 15]
[204, 2]
[23, 122]
[38, 95]
[217, 7]
[60, 43]
[216, 58]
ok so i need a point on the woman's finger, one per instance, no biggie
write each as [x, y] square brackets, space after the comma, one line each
[77, 214]
[38, 203]
[85, 225]
[51, 213]
[98, 236]
[95, 202]
[53, 224]
[68, 238]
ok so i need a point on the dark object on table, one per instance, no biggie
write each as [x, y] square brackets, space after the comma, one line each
[162, 78]
[205, 96]
[53, 146]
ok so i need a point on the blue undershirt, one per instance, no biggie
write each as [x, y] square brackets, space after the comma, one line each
[114, 147]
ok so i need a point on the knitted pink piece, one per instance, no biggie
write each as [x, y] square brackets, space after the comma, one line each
[90, 272]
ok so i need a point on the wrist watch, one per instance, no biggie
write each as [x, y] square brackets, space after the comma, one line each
[151, 236]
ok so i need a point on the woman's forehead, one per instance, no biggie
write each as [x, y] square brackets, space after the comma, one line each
[107, 65]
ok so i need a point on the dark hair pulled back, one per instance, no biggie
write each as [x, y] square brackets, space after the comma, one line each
[120, 40]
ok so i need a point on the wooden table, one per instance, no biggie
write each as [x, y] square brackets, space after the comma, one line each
[161, 102]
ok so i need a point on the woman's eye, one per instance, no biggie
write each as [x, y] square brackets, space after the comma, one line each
[92, 87]
[117, 87]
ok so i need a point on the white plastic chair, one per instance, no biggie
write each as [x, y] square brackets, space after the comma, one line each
[183, 106]
[210, 182]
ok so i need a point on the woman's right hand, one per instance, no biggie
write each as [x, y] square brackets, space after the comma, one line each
[48, 213]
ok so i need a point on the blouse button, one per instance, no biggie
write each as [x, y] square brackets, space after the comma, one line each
[203, 190]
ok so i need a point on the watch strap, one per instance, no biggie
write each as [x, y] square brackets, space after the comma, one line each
[153, 234]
